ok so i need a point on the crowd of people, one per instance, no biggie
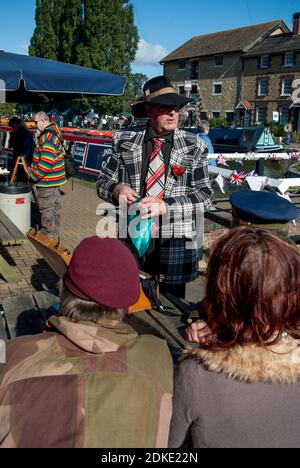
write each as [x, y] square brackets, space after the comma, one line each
[90, 380]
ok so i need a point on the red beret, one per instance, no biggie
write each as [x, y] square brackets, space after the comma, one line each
[104, 271]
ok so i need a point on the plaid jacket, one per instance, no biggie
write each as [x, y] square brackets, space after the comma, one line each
[82, 385]
[185, 196]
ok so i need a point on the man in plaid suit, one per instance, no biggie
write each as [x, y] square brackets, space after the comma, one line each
[182, 177]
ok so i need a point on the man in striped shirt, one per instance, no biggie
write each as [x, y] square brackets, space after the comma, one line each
[48, 173]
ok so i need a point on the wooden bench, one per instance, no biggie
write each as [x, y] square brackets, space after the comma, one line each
[27, 314]
[10, 235]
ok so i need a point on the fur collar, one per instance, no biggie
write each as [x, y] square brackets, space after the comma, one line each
[278, 364]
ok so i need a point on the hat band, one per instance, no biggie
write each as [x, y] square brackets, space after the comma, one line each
[271, 227]
[168, 90]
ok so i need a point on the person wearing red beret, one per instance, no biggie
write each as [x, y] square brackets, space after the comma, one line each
[90, 380]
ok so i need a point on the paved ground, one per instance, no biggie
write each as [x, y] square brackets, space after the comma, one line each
[79, 220]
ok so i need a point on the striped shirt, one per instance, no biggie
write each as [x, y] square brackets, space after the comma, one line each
[48, 165]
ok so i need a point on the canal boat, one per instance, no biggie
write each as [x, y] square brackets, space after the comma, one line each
[91, 149]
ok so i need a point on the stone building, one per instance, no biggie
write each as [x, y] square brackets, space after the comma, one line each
[220, 71]
[271, 80]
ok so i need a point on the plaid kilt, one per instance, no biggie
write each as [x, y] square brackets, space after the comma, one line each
[178, 265]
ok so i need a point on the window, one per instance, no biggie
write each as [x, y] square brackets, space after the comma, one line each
[203, 115]
[216, 114]
[218, 89]
[263, 87]
[194, 94]
[286, 87]
[181, 90]
[289, 59]
[284, 115]
[219, 60]
[229, 116]
[264, 61]
[195, 70]
[181, 65]
[261, 113]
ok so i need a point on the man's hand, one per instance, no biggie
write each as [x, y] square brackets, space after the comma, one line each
[197, 331]
[125, 192]
[152, 207]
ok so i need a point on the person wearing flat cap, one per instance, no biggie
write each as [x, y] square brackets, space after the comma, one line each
[264, 210]
[89, 380]
[164, 169]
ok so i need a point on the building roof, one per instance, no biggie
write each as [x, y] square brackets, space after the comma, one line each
[233, 40]
[276, 44]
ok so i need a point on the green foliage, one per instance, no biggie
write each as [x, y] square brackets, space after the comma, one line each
[277, 130]
[8, 110]
[108, 42]
[45, 40]
[295, 137]
[218, 123]
[99, 34]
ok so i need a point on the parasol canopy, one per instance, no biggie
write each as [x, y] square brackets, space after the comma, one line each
[32, 79]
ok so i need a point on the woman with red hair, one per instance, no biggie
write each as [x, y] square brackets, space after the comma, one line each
[241, 387]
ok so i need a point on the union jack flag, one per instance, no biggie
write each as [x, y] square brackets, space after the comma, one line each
[249, 155]
[238, 177]
[272, 156]
[294, 155]
[221, 160]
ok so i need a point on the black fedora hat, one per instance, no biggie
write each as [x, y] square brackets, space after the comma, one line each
[158, 90]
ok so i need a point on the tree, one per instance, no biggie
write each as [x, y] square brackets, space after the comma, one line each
[136, 83]
[109, 41]
[99, 34]
[58, 24]
[69, 30]
[44, 42]
[109, 37]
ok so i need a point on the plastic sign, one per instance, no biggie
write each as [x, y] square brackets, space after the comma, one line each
[275, 116]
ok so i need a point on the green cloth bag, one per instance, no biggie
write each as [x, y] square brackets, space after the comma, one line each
[139, 232]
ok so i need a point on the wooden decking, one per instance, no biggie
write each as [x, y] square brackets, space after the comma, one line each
[25, 315]
[10, 235]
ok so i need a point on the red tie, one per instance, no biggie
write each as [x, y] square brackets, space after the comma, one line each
[155, 181]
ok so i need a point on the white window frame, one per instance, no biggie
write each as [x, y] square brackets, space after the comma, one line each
[260, 93]
[287, 62]
[262, 58]
[257, 112]
[280, 115]
[217, 83]
[283, 93]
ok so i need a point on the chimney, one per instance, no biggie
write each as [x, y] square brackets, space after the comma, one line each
[296, 25]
